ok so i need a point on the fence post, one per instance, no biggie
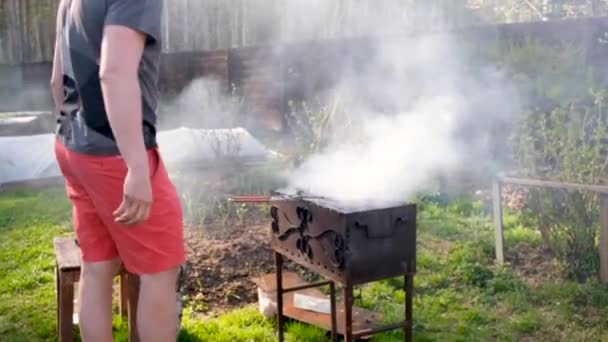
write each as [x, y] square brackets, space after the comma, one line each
[603, 245]
[498, 228]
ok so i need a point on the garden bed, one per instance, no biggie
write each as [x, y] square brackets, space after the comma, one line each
[218, 271]
[227, 246]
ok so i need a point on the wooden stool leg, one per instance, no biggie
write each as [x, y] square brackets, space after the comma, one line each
[66, 308]
[133, 297]
[58, 301]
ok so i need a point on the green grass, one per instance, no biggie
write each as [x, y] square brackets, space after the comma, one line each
[460, 295]
[28, 223]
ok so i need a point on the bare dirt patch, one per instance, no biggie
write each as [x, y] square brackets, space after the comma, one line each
[223, 259]
[535, 264]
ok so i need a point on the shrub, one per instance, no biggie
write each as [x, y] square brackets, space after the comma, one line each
[591, 294]
[566, 144]
[471, 252]
[474, 274]
[528, 322]
[505, 281]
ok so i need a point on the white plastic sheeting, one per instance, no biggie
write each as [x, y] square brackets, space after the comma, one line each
[25, 158]
[193, 146]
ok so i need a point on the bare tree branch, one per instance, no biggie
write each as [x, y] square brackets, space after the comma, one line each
[540, 14]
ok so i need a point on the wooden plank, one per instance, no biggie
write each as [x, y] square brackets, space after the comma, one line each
[362, 319]
[498, 223]
[603, 244]
[15, 32]
[67, 253]
[600, 189]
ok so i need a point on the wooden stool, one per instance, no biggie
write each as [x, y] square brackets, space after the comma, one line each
[67, 273]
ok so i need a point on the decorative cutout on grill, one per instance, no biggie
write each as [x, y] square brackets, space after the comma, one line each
[303, 243]
[344, 245]
[274, 214]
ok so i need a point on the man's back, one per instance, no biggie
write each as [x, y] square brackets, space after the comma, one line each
[86, 127]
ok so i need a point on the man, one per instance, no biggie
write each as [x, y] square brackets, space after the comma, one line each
[125, 208]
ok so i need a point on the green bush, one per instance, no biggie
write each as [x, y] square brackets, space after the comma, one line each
[591, 294]
[471, 252]
[545, 75]
[566, 144]
[504, 281]
[561, 137]
[466, 206]
[474, 274]
[528, 322]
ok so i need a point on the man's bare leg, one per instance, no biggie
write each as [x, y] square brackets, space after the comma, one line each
[95, 300]
[157, 310]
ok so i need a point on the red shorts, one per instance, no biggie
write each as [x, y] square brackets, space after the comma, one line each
[95, 187]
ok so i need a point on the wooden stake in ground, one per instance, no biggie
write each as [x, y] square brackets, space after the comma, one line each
[603, 246]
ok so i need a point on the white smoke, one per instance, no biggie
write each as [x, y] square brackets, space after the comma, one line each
[438, 121]
[202, 104]
[418, 111]
[396, 155]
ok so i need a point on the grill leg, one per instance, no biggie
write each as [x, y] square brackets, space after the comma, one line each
[348, 313]
[280, 324]
[334, 323]
[408, 288]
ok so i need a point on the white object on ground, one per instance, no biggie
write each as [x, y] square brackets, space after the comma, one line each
[187, 145]
[267, 303]
[27, 158]
[13, 118]
[315, 304]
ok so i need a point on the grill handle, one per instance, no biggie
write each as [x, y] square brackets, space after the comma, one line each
[385, 229]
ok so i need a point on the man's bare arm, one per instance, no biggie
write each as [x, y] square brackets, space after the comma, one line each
[57, 76]
[121, 52]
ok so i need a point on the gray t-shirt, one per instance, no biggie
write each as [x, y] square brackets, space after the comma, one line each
[83, 124]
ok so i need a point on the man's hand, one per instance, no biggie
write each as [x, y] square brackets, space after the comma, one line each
[137, 199]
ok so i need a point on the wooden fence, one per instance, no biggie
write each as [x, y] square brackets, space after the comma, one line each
[27, 30]
[269, 76]
[27, 27]
[600, 190]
